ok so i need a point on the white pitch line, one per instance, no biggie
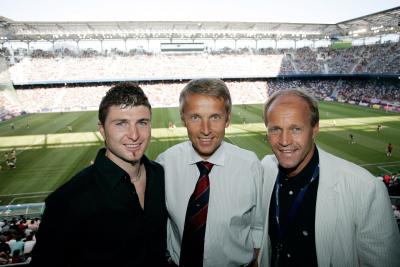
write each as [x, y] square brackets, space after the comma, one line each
[381, 168]
[12, 201]
[22, 194]
[381, 163]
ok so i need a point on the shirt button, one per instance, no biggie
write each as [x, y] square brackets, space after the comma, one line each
[288, 255]
[290, 192]
[197, 205]
[305, 233]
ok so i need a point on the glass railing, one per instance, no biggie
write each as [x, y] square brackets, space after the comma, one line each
[27, 210]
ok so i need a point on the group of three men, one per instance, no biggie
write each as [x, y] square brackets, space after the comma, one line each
[218, 206]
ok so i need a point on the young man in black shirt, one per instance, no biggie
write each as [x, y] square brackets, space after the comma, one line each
[113, 212]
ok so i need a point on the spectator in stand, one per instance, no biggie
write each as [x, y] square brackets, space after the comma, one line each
[17, 256]
[16, 244]
[4, 259]
[386, 179]
[123, 190]
[33, 226]
[396, 212]
[323, 210]
[29, 243]
[6, 227]
[22, 225]
[4, 246]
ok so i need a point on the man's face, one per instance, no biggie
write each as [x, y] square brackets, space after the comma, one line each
[290, 133]
[205, 119]
[127, 133]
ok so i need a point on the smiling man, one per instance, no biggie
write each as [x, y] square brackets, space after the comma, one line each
[113, 212]
[213, 188]
[323, 210]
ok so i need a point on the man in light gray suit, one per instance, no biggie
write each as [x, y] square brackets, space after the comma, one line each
[322, 210]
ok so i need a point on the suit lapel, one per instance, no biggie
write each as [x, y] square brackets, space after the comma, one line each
[269, 182]
[326, 211]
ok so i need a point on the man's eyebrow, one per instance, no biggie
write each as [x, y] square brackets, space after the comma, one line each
[120, 120]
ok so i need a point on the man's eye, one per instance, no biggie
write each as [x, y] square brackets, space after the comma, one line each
[216, 117]
[143, 123]
[274, 130]
[296, 130]
[195, 117]
[121, 123]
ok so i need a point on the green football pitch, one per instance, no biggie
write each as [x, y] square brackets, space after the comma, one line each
[48, 153]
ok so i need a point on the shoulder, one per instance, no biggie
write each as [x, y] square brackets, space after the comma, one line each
[153, 165]
[177, 151]
[239, 153]
[343, 170]
[340, 165]
[269, 162]
[78, 183]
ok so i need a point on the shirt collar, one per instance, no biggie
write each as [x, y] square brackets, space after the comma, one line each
[110, 173]
[217, 158]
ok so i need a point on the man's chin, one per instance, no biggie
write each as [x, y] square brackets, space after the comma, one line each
[288, 165]
[133, 159]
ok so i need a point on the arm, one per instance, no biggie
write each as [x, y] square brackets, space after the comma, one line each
[50, 239]
[259, 214]
[377, 234]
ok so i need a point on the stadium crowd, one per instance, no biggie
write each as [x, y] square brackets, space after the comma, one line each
[45, 66]
[17, 239]
[392, 182]
[368, 91]
[365, 92]
[159, 94]
[42, 66]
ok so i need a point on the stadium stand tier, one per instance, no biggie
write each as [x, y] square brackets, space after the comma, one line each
[48, 95]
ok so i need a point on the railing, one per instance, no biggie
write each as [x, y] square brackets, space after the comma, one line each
[27, 210]
[36, 209]
[395, 200]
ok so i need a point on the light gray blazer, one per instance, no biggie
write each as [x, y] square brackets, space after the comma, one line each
[354, 221]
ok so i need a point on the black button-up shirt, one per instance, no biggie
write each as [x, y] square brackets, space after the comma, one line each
[95, 219]
[298, 245]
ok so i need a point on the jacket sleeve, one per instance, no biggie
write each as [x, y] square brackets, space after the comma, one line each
[257, 226]
[378, 240]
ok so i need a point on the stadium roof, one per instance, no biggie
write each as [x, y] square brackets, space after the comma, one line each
[386, 21]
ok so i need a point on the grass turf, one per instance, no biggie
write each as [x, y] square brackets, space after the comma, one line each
[48, 154]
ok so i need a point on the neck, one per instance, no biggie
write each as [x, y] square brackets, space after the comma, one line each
[291, 172]
[136, 175]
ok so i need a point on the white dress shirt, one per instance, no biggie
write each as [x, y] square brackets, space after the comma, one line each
[235, 212]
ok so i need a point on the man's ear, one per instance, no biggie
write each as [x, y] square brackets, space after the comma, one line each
[228, 119]
[315, 130]
[101, 129]
[183, 121]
